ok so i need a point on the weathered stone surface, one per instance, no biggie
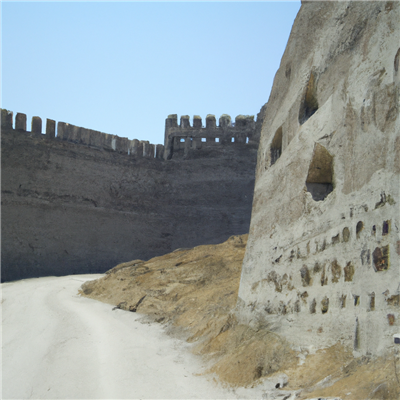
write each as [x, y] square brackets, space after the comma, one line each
[185, 141]
[6, 119]
[36, 125]
[50, 128]
[70, 208]
[20, 122]
[328, 162]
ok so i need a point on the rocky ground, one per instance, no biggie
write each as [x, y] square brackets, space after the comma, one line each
[193, 293]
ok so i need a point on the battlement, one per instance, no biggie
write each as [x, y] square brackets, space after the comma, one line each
[187, 137]
[79, 135]
[177, 137]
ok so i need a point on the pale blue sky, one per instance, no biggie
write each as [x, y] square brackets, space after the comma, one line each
[122, 67]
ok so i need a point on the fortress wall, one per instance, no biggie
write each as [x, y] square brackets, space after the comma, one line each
[79, 135]
[76, 206]
[322, 263]
[186, 137]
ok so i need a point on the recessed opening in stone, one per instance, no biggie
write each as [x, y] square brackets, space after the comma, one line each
[371, 302]
[342, 301]
[233, 140]
[365, 256]
[319, 180]
[182, 140]
[385, 228]
[297, 306]
[346, 234]
[317, 268]
[336, 270]
[348, 272]
[324, 277]
[303, 297]
[325, 305]
[217, 140]
[335, 239]
[391, 319]
[247, 140]
[373, 232]
[282, 308]
[309, 104]
[396, 61]
[276, 146]
[356, 300]
[313, 306]
[359, 228]
[305, 276]
[380, 257]
[357, 336]
[393, 300]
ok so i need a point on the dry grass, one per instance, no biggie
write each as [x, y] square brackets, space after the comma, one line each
[194, 291]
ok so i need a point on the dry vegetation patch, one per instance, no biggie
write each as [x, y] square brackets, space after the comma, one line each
[194, 291]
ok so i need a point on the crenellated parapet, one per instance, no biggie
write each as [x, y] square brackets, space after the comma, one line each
[79, 135]
[187, 137]
[184, 137]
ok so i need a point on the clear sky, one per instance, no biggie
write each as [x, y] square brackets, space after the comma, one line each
[123, 67]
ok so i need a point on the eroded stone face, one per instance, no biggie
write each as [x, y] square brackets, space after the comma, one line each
[326, 198]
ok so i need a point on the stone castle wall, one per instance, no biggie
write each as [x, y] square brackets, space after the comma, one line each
[81, 201]
[322, 263]
[79, 135]
[176, 137]
[187, 138]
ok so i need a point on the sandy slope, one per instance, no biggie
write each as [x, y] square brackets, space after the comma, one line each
[57, 344]
[193, 292]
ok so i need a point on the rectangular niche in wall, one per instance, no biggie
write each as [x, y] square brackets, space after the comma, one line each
[276, 146]
[380, 257]
[319, 180]
[309, 103]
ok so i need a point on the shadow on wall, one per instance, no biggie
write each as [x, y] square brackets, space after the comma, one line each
[319, 180]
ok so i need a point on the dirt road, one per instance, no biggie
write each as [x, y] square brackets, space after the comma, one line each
[57, 344]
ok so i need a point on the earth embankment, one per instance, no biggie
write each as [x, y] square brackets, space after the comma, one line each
[193, 293]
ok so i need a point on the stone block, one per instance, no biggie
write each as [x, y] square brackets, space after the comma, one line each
[151, 150]
[197, 122]
[159, 151]
[211, 122]
[146, 148]
[50, 128]
[36, 125]
[225, 121]
[122, 145]
[61, 129]
[133, 147]
[108, 142]
[20, 121]
[6, 119]
[185, 122]
[140, 149]
[244, 121]
[97, 138]
[171, 121]
[84, 136]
